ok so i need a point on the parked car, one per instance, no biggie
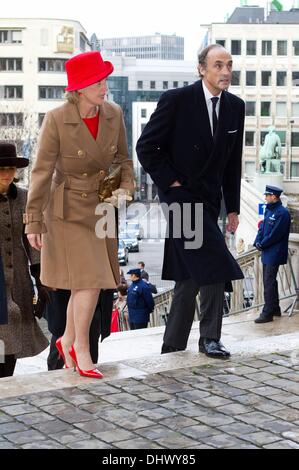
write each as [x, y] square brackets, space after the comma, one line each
[123, 253]
[130, 241]
[135, 229]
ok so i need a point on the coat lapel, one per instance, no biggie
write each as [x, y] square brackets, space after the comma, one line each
[202, 117]
[83, 137]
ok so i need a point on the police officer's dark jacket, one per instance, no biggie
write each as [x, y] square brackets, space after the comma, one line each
[273, 235]
[140, 302]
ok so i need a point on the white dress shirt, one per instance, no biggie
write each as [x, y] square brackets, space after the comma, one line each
[208, 96]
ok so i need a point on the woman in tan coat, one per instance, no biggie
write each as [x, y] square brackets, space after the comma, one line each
[78, 145]
[20, 334]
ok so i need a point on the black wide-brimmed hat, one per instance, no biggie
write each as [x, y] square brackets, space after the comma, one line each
[8, 156]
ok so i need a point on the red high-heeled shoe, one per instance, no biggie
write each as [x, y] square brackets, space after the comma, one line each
[60, 350]
[92, 374]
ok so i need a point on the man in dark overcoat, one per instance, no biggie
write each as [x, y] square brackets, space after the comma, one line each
[192, 149]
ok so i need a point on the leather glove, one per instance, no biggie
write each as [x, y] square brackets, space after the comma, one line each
[117, 196]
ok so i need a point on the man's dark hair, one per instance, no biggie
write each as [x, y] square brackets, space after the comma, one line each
[203, 54]
[142, 264]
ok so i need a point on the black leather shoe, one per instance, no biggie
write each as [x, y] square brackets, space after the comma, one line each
[169, 349]
[276, 314]
[213, 348]
[264, 319]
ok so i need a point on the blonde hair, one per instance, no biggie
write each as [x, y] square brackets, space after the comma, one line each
[72, 97]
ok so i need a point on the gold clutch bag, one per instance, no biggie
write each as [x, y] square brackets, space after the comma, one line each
[109, 184]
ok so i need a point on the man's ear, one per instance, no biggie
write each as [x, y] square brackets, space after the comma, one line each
[201, 70]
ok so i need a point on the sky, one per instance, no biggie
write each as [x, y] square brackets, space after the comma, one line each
[113, 18]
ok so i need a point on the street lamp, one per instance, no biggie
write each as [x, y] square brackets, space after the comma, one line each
[291, 163]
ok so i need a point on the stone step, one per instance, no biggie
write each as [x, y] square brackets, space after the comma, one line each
[137, 353]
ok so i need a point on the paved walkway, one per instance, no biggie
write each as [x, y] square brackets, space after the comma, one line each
[247, 402]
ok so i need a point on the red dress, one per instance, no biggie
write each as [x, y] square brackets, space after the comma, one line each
[93, 125]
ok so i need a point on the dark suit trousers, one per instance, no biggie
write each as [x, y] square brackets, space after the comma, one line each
[182, 312]
[271, 294]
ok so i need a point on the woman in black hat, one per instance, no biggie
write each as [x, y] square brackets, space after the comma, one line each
[20, 336]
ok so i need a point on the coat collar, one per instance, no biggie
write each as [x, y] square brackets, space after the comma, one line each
[12, 193]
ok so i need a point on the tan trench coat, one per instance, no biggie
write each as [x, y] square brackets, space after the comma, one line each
[62, 197]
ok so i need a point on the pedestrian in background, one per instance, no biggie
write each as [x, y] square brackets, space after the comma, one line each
[140, 301]
[273, 241]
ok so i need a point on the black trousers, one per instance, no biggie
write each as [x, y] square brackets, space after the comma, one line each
[182, 312]
[138, 326]
[56, 316]
[7, 369]
[271, 294]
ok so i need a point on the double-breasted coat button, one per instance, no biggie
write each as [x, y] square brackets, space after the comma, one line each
[85, 175]
[80, 153]
[102, 173]
[84, 195]
[112, 148]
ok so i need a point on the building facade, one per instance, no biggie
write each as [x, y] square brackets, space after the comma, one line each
[265, 50]
[156, 47]
[32, 76]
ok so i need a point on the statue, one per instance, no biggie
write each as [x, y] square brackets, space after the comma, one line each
[270, 153]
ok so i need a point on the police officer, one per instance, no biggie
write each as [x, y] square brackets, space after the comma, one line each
[140, 301]
[272, 240]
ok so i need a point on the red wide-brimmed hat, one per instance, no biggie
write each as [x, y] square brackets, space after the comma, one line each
[85, 69]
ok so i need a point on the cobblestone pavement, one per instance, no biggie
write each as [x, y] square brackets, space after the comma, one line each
[248, 402]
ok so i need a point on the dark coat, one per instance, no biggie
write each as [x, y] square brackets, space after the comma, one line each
[273, 235]
[177, 144]
[22, 335]
[3, 301]
[140, 302]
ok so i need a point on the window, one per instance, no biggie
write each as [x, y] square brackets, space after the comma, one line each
[250, 78]
[11, 119]
[51, 92]
[51, 65]
[283, 136]
[11, 92]
[236, 47]
[11, 65]
[266, 47]
[249, 138]
[185, 83]
[140, 85]
[282, 47]
[251, 47]
[152, 85]
[281, 109]
[41, 117]
[10, 36]
[236, 78]
[175, 84]
[221, 42]
[143, 113]
[295, 139]
[266, 78]
[265, 108]
[165, 85]
[250, 108]
[295, 169]
[295, 78]
[281, 79]
[82, 43]
[295, 109]
[295, 47]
